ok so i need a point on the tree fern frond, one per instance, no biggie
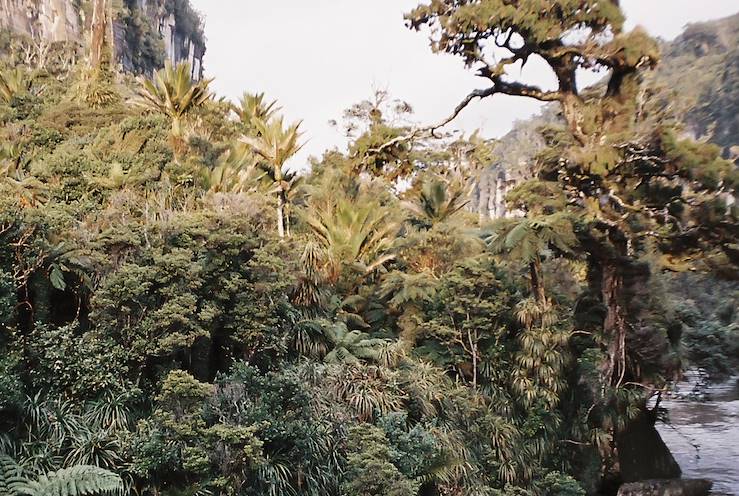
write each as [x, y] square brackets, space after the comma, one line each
[79, 480]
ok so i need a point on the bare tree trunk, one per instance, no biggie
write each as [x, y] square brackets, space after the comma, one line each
[537, 280]
[98, 32]
[281, 214]
[615, 324]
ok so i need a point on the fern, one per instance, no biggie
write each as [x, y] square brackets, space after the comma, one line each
[10, 476]
[80, 480]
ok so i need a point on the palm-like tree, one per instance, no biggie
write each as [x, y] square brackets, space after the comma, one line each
[235, 171]
[173, 93]
[525, 239]
[29, 190]
[437, 201]
[13, 82]
[537, 372]
[357, 232]
[275, 144]
[352, 347]
[252, 107]
[78, 480]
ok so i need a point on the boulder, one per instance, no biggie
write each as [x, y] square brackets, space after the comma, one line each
[667, 487]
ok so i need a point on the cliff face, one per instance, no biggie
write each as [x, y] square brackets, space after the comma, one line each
[146, 32]
[51, 20]
[700, 72]
[516, 153]
[698, 77]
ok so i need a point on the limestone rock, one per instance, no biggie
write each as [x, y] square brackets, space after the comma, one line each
[146, 33]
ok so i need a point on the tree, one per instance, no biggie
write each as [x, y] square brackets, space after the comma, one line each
[355, 234]
[252, 108]
[173, 93]
[276, 144]
[13, 83]
[522, 29]
[525, 239]
[350, 347]
[370, 471]
[437, 201]
[616, 160]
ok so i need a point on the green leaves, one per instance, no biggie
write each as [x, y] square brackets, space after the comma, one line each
[525, 238]
[78, 480]
[353, 233]
[10, 476]
[438, 200]
[252, 109]
[173, 93]
[56, 277]
[13, 82]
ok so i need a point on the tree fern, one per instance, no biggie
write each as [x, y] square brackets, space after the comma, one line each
[10, 476]
[80, 480]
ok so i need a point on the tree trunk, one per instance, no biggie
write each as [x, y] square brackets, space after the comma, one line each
[571, 107]
[98, 28]
[615, 323]
[537, 281]
[281, 214]
[176, 126]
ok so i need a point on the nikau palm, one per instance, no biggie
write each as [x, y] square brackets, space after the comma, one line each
[360, 233]
[437, 201]
[351, 347]
[252, 107]
[234, 173]
[13, 83]
[275, 144]
[173, 93]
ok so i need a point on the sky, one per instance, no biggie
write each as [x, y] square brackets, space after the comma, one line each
[318, 57]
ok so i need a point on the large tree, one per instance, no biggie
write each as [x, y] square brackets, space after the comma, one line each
[633, 184]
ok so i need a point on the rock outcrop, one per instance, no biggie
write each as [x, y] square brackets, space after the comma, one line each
[146, 32]
[669, 487]
[50, 20]
[517, 151]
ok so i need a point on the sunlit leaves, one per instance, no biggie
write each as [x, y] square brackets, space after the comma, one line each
[173, 93]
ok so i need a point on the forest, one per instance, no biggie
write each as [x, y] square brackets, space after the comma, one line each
[183, 314]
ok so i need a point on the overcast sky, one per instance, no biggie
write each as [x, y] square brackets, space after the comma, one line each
[318, 57]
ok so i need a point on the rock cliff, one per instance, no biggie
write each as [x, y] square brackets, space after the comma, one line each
[146, 32]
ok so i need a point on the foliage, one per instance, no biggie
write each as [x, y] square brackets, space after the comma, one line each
[355, 237]
[369, 469]
[173, 93]
[381, 340]
[275, 145]
[13, 84]
[78, 480]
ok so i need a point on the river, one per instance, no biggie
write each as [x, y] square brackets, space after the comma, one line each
[703, 433]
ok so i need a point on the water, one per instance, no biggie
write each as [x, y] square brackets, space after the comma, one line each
[704, 432]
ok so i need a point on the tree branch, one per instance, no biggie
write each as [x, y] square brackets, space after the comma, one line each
[499, 87]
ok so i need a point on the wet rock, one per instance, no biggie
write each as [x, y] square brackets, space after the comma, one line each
[642, 454]
[671, 487]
